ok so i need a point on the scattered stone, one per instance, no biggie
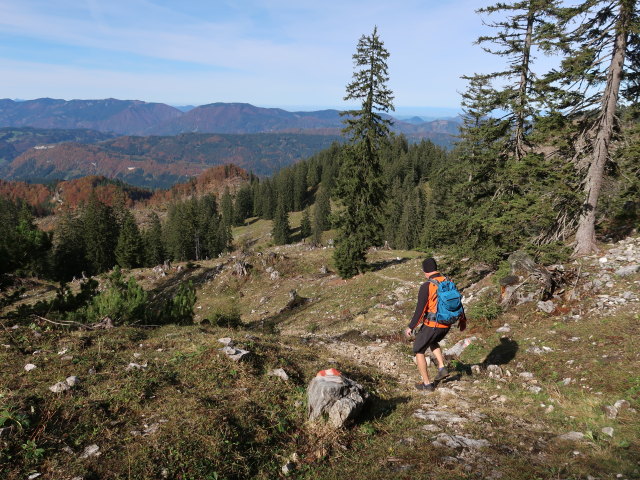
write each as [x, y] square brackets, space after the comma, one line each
[459, 441]
[235, 354]
[459, 347]
[59, 387]
[607, 431]
[566, 381]
[527, 375]
[504, 329]
[33, 475]
[549, 409]
[279, 372]
[136, 366]
[226, 341]
[439, 416]
[431, 428]
[546, 307]
[571, 436]
[29, 366]
[288, 467]
[494, 370]
[324, 270]
[627, 270]
[72, 381]
[475, 369]
[91, 451]
[621, 405]
[336, 395]
[610, 411]
[535, 389]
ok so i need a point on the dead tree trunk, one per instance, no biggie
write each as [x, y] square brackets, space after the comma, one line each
[586, 234]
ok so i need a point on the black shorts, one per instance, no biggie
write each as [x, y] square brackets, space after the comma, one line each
[428, 337]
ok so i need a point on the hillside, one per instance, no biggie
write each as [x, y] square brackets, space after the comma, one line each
[72, 193]
[532, 397]
[15, 141]
[160, 162]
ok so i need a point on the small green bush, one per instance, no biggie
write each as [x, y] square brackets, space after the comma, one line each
[124, 303]
[179, 308]
[485, 309]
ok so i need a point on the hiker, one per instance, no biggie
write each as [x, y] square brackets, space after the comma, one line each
[426, 321]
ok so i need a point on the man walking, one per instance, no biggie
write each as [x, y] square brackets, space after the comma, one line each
[430, 331]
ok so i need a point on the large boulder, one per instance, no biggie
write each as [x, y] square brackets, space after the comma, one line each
[528, 281]
[335, 395]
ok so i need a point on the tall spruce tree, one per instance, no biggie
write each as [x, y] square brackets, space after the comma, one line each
[154, 252]
[100, 231]
[281, 231]
[129, 248]
[359, 184]
[602, 59]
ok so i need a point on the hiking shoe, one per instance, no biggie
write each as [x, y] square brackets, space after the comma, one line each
[426, 388]
[442, 373]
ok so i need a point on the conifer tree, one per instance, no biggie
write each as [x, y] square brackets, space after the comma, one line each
[129, 248]
[305, 224]
[100, 232]
[359, 185]
[281, 231]
[154, 252]
[601, 60]
[68, 248]
[528, 26]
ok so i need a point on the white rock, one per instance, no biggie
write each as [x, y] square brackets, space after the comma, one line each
[475, 369]
[439, 416]
[29, 366]
[526, 375]
[59, 387]
[535, 389]
[571, 436]
[135, 366]
[226, 341]
[33, 475]
[279, 372]
[91, 451]
[459, 347]
[627, 270]
[547, 306]
[288, 467]
[431, 428]
[621, 405]
[504, 329]
[607, 431]
[610, 411]
[459, 441]
[603, 260]
[72, 381]
[235, 354]
[566, 381]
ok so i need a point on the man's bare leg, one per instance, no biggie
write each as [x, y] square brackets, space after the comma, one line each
[422, 368]
[437, 352]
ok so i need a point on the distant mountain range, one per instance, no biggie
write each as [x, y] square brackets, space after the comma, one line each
[134, 117]
[156, 145]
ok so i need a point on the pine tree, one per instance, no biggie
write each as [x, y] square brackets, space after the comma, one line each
[69, 249]
[281, 231]
[129, 248]
[601, 60]
[100, 235]
[154, 252]
[528, 27]
[359, 184]
[305, 224]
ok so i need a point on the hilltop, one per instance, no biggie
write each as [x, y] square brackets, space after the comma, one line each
[535, 395]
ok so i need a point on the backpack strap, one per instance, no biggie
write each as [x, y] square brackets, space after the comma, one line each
[430, 316]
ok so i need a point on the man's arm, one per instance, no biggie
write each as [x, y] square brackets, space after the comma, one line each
[423, 297]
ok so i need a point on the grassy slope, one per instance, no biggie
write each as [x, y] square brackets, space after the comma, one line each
[218, 419]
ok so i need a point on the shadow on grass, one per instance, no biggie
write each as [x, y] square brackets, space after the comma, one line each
[501, 354]
[382, 264]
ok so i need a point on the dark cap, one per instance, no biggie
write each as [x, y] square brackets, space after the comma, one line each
[429, 265]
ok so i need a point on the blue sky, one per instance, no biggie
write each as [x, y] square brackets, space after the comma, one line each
[290, 54]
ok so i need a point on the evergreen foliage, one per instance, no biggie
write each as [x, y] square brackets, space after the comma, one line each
[281, 231]
[124, 302]
[100, 232]
[360, 184]
[130, 248]
[305, 224]
[154, 252]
